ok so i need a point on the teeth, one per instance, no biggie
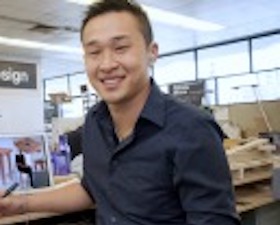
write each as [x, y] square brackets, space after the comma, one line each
[111, 81]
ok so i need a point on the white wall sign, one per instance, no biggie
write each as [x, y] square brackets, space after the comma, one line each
[18, 75]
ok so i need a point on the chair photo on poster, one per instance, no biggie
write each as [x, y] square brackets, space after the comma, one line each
[25, 159]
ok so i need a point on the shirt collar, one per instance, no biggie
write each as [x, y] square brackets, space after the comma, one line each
[154, 108]
[101, 110]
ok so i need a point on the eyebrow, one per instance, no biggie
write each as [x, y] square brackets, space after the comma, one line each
[114, 39]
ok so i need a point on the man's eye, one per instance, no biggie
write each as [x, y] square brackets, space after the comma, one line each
[122, 48]
[94, 52]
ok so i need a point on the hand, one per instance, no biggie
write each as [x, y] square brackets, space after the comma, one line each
[12, 205]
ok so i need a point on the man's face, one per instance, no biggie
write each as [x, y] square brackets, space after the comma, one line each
[116, 56]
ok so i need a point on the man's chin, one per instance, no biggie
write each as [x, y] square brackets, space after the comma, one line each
[112, 100]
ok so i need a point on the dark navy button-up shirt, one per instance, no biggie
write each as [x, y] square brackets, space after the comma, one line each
[171, 171]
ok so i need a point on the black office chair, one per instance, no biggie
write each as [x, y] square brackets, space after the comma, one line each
[23, 167]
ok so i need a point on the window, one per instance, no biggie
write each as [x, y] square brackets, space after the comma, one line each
[55, 85]
[268, 85]
[73, 109]
[210, 92]
[249, 88]
[175, 69]
[223, 60]
[76, 81]
[224, 68]
[237, 89]
[266, 52]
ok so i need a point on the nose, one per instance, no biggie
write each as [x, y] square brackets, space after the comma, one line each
[108, 61]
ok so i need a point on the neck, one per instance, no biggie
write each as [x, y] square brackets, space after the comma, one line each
[125, 114]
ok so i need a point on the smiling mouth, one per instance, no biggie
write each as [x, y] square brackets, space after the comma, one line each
[112, 82]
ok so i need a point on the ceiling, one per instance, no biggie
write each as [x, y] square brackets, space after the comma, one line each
[58, 22]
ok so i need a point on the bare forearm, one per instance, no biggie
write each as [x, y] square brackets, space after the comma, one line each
[69, 198]
[63, 198]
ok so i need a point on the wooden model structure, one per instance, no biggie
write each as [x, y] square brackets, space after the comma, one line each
[251, 165]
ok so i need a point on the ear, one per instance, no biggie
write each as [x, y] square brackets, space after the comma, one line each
[153, 52]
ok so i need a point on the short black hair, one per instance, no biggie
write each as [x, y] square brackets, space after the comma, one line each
[130, 6]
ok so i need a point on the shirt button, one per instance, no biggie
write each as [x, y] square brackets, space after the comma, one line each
[113, 219]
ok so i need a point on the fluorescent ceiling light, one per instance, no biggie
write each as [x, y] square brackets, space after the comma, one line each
[38, 45]
[168, 17]
[179, 20]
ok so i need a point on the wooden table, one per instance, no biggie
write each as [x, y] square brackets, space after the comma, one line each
[250, 198]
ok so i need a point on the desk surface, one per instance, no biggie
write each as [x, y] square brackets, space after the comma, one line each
[247, 199]
[84, 217]
[25, 217]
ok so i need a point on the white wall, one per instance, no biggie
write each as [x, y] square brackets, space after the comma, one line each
[21, 110]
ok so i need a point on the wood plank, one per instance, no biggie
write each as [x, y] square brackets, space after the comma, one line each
[253, 197]
[247, 146]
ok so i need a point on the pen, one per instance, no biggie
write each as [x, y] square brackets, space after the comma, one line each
[10, 190]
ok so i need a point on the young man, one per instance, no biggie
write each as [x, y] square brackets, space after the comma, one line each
[147, 159]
